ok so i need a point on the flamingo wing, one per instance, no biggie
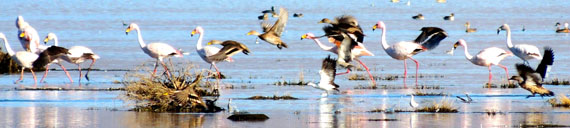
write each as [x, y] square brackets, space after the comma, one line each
[163, 50]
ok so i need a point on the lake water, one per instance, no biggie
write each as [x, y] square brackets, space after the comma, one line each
[98, 25]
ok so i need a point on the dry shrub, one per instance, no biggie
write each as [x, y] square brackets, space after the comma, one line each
[564, 101]
[7, 65]
[444, 106]
[180, 92]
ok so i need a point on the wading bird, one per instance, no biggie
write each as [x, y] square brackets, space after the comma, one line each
[272, 34]
[523, 51]
[531, 80]
[158, 51]
[358, 51]
[206, 51]
[468, 28]
[327, 74]
[418, 17]
[427, 40]
[22, 58]
[78, 55]
[49, 56]
[451, 17]
[27, 35]
[486, 57]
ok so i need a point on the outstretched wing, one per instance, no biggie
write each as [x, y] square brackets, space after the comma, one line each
[344, 51]
[431, 37]
[546, 62]
[349, 24]
[328, 71]
[279, 25]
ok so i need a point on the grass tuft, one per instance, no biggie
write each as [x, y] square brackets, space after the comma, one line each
[561, 101]
[505, 85]
[418, 93]
[274, 97]
[557, 81]
[444, 106]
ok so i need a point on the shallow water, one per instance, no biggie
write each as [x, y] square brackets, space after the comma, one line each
[98, 25]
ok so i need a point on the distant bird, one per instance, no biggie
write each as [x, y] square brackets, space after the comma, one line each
[206, 52]
[49, 56]
[486, 57]
[357, 51]
[394, 1]
[451, 17]
[427, 40]
[22, 58]
[158, 51]
[413, 102]
[523, 28]
[272, 34]
[523, 51]
[408, 3]
[418, 17]
[265, 16]
[563, 30]
[531, 79]
[327, 74]
[298, 15]
[468, 28]
[468, 100]
[272, 11]
[78, 55]
[344, 23]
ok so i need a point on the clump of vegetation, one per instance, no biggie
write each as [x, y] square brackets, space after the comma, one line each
[274, 97]
[562, 101]
[444, 106]
[557, 81]
[180, 92]
[506, 85]
[357, 77]
[540, 125]
[7, 65]
[418, 93]
[396, 87]
[301, 81]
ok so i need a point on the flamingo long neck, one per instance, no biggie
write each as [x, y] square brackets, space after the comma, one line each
[383, 39]
[199, 44]
[323, 46]
[141, 41]
[509, 42]
[467, 55]
[55, 40]
[8, 48]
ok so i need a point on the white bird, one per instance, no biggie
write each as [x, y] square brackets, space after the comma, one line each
[427, 40]
[327, 74]
[22, 58]
[206, 51]
[159, 51]
[486, 57]
[523, 51]
[413, 103]
[357, 52]
[28, 36]
[468, 100]
[78, 55]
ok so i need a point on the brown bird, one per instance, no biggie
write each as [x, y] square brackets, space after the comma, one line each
[563, 30]
[345, 23]
[230, 48]
[418, 17]
[468, 28]
[451, 17]
[531, 79]
[272, 34]
[298, 15]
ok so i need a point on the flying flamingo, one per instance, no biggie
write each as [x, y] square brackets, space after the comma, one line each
[78, 54]
[405, 50]
[523, 51]
[358, 51]
[159, 51]
[22, 58]
[486, 57]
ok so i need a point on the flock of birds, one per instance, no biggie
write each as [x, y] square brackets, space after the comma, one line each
[343, 32]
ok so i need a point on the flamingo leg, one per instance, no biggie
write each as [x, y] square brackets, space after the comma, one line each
[45, 74]
[165, 68]
[342, 73]
[490, 75]
[155, 66]
[80, 74]
[367, 70]
[405, 72]
[34, 74]
[219, 76]
[417, 68]
[88, 70]
[506, 70]
[66, 73]
[21, 76]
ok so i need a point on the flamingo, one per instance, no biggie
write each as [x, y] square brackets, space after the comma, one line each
[523, 51]
[327, 74]
[405, 50]
[22, 58]
[206, 51]
[159, 51]
[530, 79]
[29, 37]
[486, 57]
[357, 51]
[78, 54]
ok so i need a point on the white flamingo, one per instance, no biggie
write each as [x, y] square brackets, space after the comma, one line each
[523, 51]
[205, 51]
[405, 50]
[22, 58]
[78, 55]
[157, 50]
[357, 51]
[28, 36]
[486, 57]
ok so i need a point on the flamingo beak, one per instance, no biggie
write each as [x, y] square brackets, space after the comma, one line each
[303, 36]
[127, 31]
[192, 33]
[455, 45]
[209, 43]
[46, 40]
[374, 27]
[498, 30]
[249, 33]
[22, 34]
